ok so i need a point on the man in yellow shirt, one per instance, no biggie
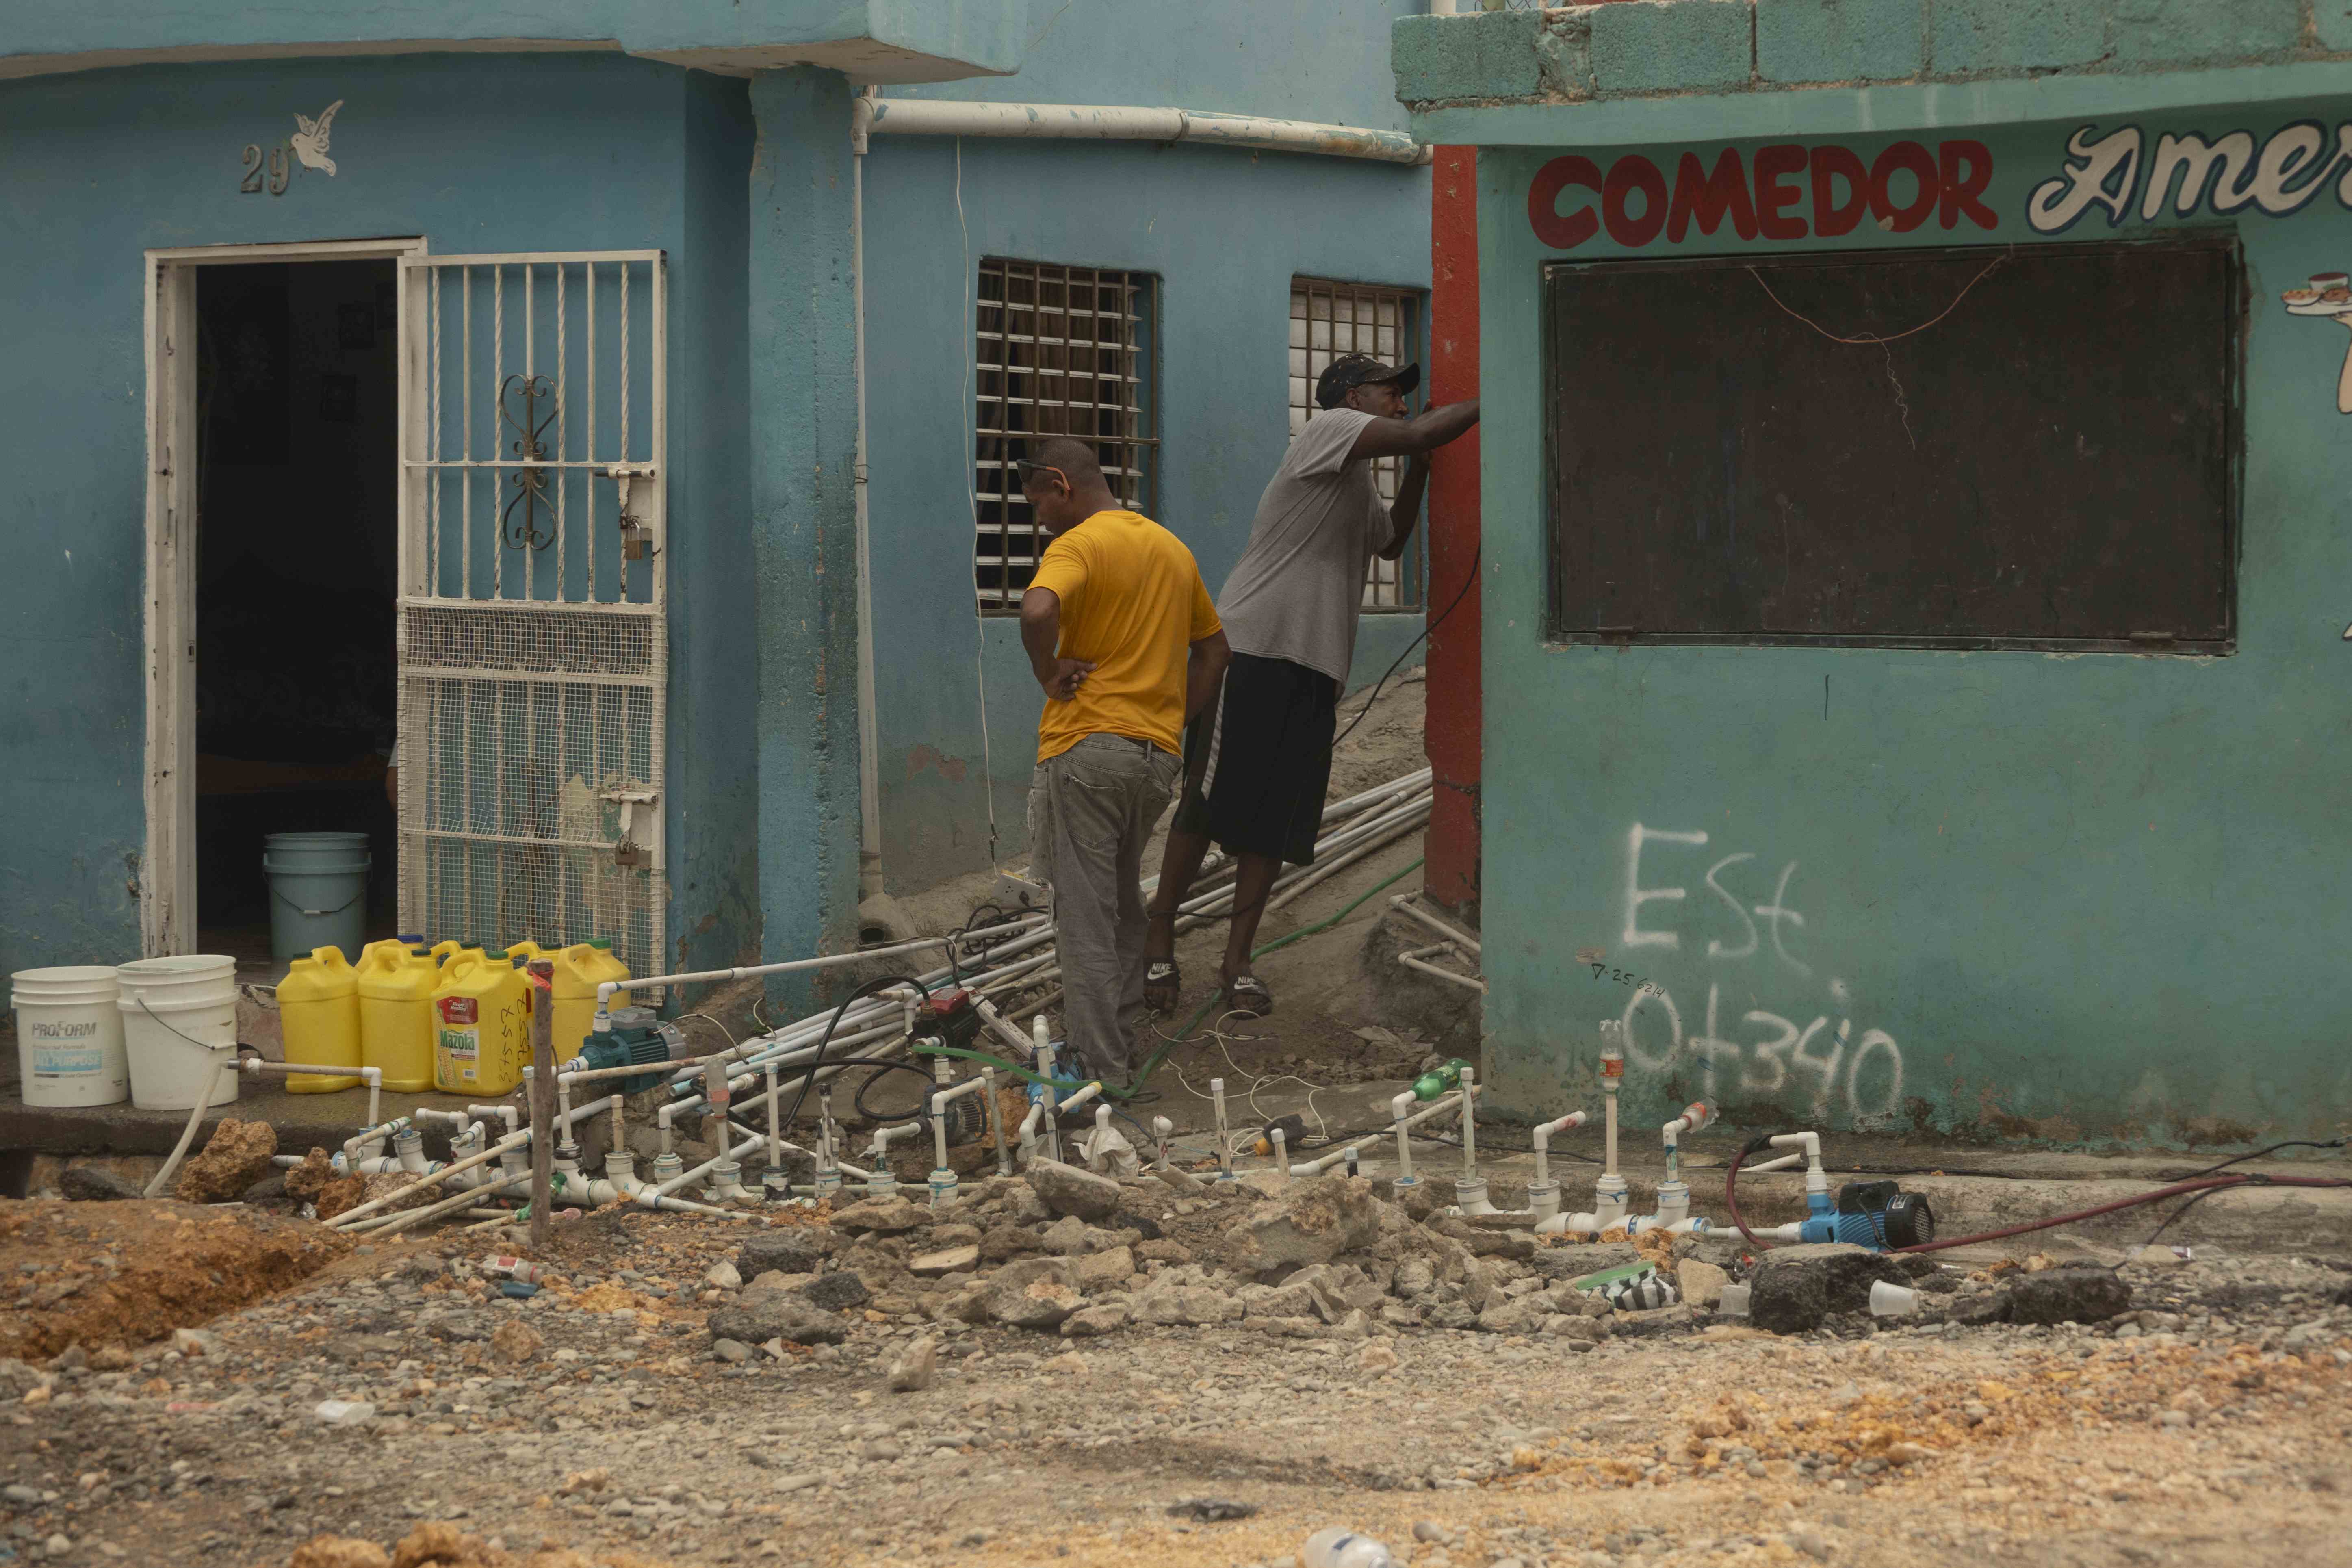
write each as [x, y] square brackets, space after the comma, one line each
[1122, 635]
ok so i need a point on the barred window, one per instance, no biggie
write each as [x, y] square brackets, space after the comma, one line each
[1327, 319]
[1060, 350]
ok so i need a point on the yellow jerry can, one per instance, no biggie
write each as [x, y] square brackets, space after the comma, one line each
[319, 1010]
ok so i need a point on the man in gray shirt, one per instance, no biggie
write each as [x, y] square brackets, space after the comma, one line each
[1258, 759]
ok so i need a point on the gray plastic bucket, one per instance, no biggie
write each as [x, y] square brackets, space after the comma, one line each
[318, 891]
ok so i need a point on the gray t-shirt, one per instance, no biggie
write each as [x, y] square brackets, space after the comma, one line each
[1295, 591]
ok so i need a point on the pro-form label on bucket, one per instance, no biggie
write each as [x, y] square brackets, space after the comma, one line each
[59, 1050]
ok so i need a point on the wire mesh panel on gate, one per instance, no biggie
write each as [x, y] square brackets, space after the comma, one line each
[533, 637]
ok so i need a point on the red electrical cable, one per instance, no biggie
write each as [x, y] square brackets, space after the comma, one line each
[1731, 1203]
[2156, 1196]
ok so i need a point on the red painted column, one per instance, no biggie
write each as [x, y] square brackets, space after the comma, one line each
[1452, 732]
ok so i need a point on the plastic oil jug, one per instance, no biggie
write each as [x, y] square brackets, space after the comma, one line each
[396, 987]
[443, 952]
[524, 951]
[481, 1025]
[318, 1009]
[579, 970]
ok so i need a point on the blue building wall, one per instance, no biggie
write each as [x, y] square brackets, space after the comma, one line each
[476, 153]
[2065, 898]
[1223, 231]
[744, 186]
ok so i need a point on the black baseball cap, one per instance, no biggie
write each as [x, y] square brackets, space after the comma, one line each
[1361, 370]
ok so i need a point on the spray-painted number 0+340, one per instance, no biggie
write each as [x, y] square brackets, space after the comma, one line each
[1623, 977]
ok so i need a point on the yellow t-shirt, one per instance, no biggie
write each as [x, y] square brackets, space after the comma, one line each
[1133, 604]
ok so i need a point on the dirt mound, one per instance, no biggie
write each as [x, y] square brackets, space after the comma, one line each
[440, 1545]
[126, 1273]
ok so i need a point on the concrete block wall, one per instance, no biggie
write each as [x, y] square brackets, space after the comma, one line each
[1635, 48]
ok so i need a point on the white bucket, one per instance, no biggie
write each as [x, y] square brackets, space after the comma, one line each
[179, 1017]
[69, 1035]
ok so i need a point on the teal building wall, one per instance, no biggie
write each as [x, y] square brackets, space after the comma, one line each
[2073, 899]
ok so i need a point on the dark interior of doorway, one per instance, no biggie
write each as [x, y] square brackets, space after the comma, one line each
[296, 579]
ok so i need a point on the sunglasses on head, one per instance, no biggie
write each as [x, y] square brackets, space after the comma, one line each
[1028, 468]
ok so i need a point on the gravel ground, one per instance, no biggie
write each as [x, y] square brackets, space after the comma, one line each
[2208, 1424]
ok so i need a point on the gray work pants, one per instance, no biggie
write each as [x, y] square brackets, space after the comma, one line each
[1090, 811]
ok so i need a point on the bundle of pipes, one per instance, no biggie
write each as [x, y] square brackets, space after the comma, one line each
[1017, 955]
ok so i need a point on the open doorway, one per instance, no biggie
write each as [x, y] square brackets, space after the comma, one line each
[295, 579]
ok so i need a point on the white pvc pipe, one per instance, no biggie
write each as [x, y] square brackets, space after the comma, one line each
[869, 741]
[605, 989]
[1406, 904]
[372, 1077]
[196, 1120]
[1097, 122]
[1418, 958]
[1376, 839]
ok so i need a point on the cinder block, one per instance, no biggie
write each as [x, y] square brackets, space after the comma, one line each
[2005, 36]
[1446, 59]
[1839, 41]
[1672, 46]
[2333, 21]
[2167, 32]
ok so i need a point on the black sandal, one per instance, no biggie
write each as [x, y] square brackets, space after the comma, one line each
[1246, 995]
[1160, 975]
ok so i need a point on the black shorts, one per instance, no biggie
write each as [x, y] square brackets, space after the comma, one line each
[1257, 760]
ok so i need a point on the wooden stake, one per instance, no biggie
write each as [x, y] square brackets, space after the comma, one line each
[542, 1098]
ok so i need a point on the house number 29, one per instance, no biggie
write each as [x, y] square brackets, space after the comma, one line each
[279, 165]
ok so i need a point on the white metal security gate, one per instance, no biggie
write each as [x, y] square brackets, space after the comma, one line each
[533, 640]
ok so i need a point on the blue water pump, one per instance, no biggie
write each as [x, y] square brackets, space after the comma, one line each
[1877, 1214]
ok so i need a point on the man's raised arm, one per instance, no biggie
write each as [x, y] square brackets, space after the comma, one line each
[1424, 432]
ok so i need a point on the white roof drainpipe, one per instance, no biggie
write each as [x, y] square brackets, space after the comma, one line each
[869, 759]
[1102, 122]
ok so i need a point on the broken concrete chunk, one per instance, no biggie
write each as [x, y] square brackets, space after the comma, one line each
[2068, 1294]
[1702, 1283]
[1103, 1270]
[237, 1156]
[836, 1292]
[791, 1250]
[1032, 1293]
[916, 1368]
[1067, 1190]
[1794, 1288]
[776, 1315]
[1309, 1222]
[889, 1216]
[95, 1184]
[1092, 1322]
[947, 1261]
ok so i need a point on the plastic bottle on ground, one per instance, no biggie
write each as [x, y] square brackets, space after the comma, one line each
[1337, 1546]
[505, 1267]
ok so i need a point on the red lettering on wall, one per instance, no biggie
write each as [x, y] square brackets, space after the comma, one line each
[1901, 156]
[1556, 230]
[1629, 174]
[1777, 190]
[1708, 196]
[1963, 170]
[1949, 182]
[1831, 216]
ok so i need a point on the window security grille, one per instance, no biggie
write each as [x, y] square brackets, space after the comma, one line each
[1060, 350]
[1328, 319]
